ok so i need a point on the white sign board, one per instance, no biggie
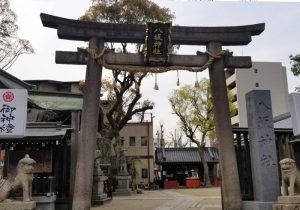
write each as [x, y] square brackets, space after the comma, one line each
[294, 100]
[13, 113]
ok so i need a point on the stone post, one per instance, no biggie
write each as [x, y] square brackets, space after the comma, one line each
[264, 164]
[231, 193]
[88, 131]
[294, 101]
[98, 185]
[123, 176]
[75, 117]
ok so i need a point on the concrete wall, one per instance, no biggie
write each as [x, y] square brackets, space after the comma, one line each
[269, 76]
[47, 87]
[75, 88]
[54, 86]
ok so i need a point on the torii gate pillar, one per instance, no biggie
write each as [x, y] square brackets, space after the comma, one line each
[231, 194]
[88, 131]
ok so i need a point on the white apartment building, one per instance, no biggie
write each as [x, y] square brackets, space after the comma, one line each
[262, 76]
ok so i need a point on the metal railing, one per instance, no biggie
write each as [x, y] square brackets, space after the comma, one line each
[242, 149]
[43, 185]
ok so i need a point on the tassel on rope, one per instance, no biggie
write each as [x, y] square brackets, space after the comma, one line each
[114, 84]
[196, 82]
[178, 82]
[156, 85]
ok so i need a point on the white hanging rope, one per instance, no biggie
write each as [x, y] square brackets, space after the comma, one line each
[149, 69]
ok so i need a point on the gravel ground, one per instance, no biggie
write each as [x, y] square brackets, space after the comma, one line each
[177, 199]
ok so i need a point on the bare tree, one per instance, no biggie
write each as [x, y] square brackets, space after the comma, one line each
[123, 88]
[11, 46]
[177, 139]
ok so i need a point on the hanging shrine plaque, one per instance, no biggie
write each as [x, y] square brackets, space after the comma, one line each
[157, 44]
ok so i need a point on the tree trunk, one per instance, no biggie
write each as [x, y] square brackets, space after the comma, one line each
[117, 149]
[104, 144]
[207, 181]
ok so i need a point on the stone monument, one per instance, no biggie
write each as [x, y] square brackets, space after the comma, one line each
[123, 176]
[22, 180]
[290, 186]
[264, 164]
[99, 178]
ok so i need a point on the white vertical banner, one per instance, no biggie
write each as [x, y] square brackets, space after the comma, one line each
[13, 113]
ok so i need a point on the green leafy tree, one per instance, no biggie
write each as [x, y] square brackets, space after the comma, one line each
[295, 60]
[123, 88]
[11, 46]
[193, 105]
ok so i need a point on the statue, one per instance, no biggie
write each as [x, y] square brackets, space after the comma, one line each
[290, 176]
[97, 162]
[23, 180]
[123, 163]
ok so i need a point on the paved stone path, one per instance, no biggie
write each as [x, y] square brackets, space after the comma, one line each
[178, 199]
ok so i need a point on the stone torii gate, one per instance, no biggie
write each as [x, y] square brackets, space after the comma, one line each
[99, 33]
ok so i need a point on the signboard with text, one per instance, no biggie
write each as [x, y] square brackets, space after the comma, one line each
[158, 42]
[13, 113]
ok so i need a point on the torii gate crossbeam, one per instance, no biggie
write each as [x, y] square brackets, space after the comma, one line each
[98, 33]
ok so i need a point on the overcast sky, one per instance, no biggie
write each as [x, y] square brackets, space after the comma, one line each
[275, 44]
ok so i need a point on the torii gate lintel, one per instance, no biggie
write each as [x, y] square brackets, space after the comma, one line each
[134, 33]
[136, 59]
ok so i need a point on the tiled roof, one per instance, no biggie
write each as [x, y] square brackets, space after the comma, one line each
[56, 100]
[11, 82]
[185, 155]
[40, 134]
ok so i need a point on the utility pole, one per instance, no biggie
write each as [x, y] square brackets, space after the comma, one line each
[162, 141]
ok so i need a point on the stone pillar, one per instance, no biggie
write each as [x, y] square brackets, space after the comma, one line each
[123, 185]
[231, 192]
[87, 139]
[294, 101]
[75, 118]
[264, 164]
[98, 186]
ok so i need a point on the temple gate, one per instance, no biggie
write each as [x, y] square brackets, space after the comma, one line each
[215, 59]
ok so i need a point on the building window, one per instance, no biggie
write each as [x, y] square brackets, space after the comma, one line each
[144, 173]
[144, 140]
[256, 84]
[132, 141]
[255, 71]
[122, 140]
